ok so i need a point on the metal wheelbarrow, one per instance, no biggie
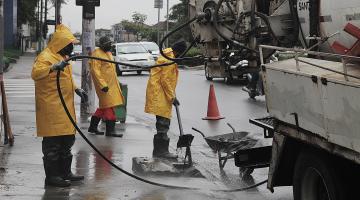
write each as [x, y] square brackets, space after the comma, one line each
[227, 144]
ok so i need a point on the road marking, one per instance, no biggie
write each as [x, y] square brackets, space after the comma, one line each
[19, 88]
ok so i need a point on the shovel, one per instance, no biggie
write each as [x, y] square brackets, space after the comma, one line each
[185, 140]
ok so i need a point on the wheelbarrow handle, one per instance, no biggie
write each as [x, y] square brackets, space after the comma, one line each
[233, 129]
[198, 131]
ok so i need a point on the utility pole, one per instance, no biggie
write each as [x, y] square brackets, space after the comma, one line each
[58, 12]
[88, 45]
[40, 25]
[158, 4]
[167, 22]
[1, 37]
[8, 136]
[159, 27]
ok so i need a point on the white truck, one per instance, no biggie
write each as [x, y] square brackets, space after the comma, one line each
[313, 104]
[314, 120]
[232, 30]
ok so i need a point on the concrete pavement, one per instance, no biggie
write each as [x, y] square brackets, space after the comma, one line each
[21, 170]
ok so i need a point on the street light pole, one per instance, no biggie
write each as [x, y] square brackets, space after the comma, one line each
[158, 4]
[57, 11]
[1, 37]
[88, 46]
[158, 33]
[167, 22]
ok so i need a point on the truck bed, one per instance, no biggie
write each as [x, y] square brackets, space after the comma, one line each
[325, 103]
[306, 69]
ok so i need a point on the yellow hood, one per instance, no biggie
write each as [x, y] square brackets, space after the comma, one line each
[169, 52]
[61, 38]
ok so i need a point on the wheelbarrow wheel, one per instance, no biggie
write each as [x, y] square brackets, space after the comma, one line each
[245, 172]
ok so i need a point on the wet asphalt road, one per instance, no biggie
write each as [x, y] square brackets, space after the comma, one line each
[21, 171]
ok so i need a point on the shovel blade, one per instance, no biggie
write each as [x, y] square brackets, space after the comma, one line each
[185, 140]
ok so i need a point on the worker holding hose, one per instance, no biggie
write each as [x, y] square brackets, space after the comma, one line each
[160, 95]
[107, 89]
[52, 122]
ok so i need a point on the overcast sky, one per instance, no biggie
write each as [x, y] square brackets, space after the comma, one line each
[113, 11]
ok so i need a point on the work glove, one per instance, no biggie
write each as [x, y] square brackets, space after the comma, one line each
[176, 102]
[59, 66]
[105, 89]
[82, 94]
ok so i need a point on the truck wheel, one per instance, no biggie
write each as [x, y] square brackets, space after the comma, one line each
[207, 73]
[316, 179]
[228, 80]
[118, 72]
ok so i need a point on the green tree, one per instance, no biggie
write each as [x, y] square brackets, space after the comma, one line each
[137, 27]
[26, 11]
[149, 34]
[139, 18]
[179, 15]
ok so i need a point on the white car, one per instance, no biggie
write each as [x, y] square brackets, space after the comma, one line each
[152, 47]
[132, 53]
[77, 50]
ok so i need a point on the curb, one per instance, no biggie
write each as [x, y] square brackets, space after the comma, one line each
[200, 67]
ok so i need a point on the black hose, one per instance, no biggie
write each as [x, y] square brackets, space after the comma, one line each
[116, 62]
[119, 168]
[180, 58]
[295, 15]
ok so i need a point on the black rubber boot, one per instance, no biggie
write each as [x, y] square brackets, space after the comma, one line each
[110, 129]
[67, 174]
[53, 177]
[161, 147]
[94, 122]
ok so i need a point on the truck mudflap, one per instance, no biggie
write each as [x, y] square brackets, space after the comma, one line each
[276, 153]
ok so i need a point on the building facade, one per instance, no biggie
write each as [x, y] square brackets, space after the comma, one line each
[103, 32]
[10, 24]
[122, 35]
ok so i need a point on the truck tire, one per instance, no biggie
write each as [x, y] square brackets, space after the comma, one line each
[315, 178]
[118, 71]
[228, 80]
[207, 73]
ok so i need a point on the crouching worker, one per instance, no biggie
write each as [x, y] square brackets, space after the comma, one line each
[52, 122]
[107, 89]
[160, 95]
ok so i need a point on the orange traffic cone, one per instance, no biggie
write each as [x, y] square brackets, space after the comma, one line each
[213, 111]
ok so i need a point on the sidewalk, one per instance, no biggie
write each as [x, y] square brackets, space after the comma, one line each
[20, 90]
[21, 170]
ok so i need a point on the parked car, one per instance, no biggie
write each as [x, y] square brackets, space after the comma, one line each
[153, 48]
[132, 53]
[77, 50]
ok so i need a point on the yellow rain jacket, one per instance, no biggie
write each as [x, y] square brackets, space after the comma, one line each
[161, 86]
[51, 119]
[104, 75]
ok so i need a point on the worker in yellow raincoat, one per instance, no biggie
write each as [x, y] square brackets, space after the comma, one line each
[107, 89]
[160, 95]
[52, 122]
